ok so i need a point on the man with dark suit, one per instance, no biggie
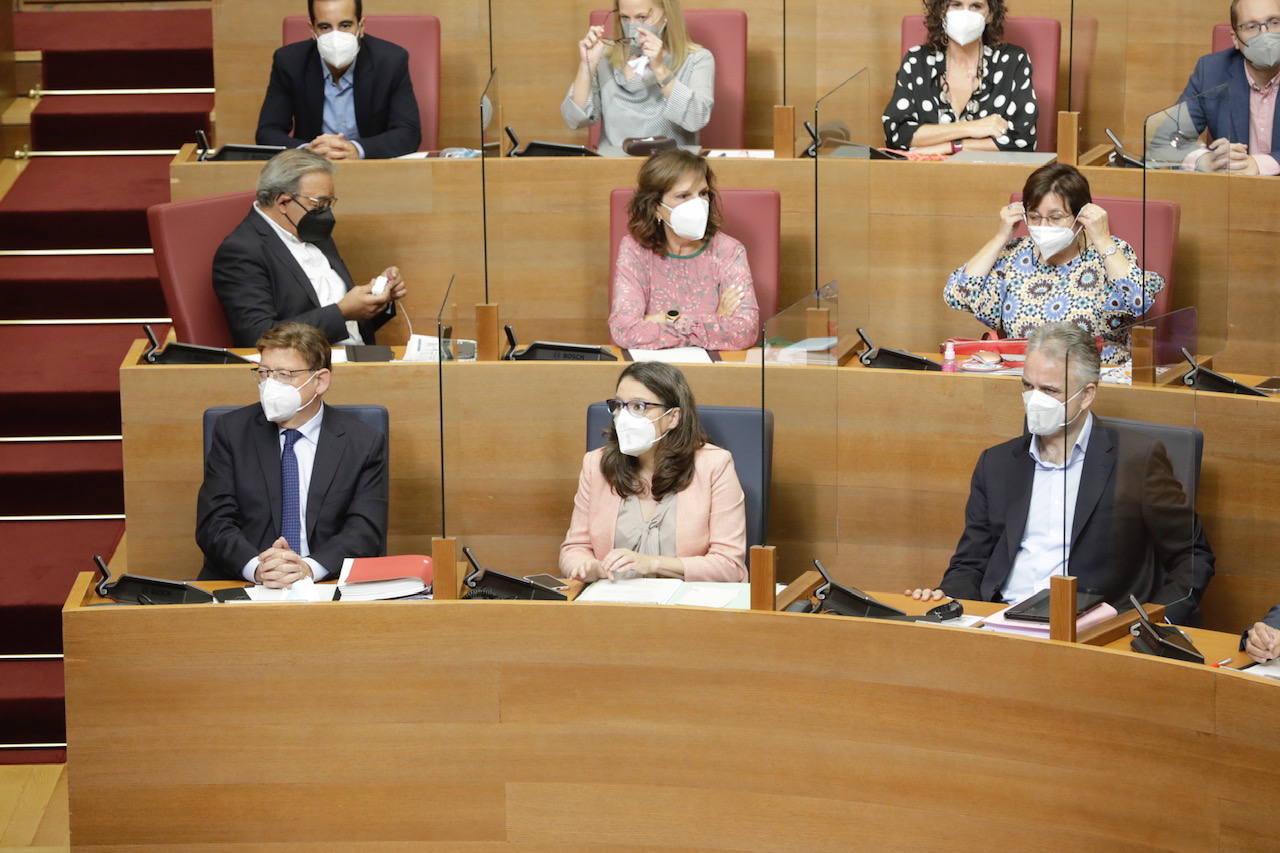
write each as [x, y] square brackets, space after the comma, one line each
[343, 94]
[1262, 641]
[1243, 117]
[291, 488]
[280, 264]
[1132, 529]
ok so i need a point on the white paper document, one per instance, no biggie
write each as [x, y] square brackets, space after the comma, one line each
[675, 355]
[303, 590]
[633, 591]
[1271, 669]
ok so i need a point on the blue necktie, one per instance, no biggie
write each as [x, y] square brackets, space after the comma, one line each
[290, 527]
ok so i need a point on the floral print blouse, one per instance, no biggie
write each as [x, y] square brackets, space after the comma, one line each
[1004, 87]
[646, 282]
[1022, 292]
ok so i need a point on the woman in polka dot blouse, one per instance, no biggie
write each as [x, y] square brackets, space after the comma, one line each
[1068, 269]
[964, 87]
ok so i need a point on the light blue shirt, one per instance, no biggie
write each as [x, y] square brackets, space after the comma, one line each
[1043, 552]
[340, 104]
[304, 449]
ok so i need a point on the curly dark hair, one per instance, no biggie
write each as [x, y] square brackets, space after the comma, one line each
[936, 10]
[657, 176]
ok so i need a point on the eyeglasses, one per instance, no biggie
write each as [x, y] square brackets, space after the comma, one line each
[1252, 28]
[280, 374]
[612, 25]
[321, 204]
[1055, 219]
[635, 407]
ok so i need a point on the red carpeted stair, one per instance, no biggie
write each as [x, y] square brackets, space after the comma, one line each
[63, 379]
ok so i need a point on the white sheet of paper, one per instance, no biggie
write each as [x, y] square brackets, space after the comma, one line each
[1269, 670]
[634, 591]
[675, 355]
[303, 590]
[709, 594]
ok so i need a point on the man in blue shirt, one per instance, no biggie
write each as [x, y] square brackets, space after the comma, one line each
[343, 94]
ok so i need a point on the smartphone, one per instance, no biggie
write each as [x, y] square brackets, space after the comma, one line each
[1271, 386]
[548, 581]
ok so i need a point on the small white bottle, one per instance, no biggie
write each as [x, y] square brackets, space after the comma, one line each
[949, 358]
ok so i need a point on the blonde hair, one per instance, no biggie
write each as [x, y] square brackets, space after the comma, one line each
[675, 38]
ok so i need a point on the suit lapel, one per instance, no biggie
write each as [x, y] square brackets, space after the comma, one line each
[1099, 462]
[330, 251]
[1015, 522]
[365, 72]
[266, 437]
[284, 258]
[329, 450]
[313, 88]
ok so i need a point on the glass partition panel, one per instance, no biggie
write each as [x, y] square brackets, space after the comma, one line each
[1096, 70]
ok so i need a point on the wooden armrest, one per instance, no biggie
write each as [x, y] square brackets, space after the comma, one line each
[800, 588]
[1117, 626]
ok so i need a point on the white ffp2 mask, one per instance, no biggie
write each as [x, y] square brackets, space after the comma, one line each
[280, 400]
[1051, 239]
[962, 26]
[338, 49]
[1045, 415]
[636, 433]
[689, 218]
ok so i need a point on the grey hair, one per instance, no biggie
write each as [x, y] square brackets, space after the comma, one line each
[281, 174]
[1071, 344]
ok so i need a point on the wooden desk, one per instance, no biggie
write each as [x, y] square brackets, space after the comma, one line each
[538, 726]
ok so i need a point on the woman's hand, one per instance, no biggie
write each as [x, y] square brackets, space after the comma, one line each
[1097, 227]
[587, 571]
[729, 302]
[650, 45]
[1010, 217]
[591, 48]
[622, 564]
[991, 126]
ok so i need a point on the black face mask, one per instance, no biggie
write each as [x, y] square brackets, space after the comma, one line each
[315, 225]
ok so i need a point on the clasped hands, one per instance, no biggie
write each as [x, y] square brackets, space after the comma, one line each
[334, 146]
[618, 564]
[359, 303]
[730, 300]
[1262, 642]
[279, 567]
[1227, 156]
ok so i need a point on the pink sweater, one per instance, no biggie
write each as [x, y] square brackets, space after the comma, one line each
[648, 283]
[711, 520]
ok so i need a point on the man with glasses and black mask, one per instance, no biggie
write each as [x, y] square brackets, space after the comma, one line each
[1133, 530]
[343, 94]
[280, 265]
[291, 487]
[1242, 120]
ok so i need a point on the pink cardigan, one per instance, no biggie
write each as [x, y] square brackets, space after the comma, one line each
[711, 521]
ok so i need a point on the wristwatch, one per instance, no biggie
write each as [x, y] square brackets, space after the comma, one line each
[956, 146]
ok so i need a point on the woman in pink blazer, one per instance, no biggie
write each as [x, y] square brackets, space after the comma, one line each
[658, 500]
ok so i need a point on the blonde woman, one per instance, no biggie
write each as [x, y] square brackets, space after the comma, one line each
[652, 81]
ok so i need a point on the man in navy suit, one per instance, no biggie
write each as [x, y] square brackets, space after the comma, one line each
[345, 95]
[280, 264]
[1132, 529]
[291, 487]
[1242, 116]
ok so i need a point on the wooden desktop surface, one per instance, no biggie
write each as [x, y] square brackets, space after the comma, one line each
[538, 726]
[889, 232]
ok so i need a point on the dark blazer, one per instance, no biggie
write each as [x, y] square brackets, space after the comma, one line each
[1134, 531]
[1226, 114]
[386, 110]
[1273, 617]
[260, 285]
[238, 509]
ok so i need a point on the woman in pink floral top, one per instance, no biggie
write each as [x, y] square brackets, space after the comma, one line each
[679, 280]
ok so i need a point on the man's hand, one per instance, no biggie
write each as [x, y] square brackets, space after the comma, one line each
[396, 288]
[359, 303]
[1240, 161]
[334, 146]
[1263, 642]
[925, 594]
[279, 567]
[1217, 158]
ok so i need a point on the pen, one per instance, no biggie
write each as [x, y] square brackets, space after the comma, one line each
[1223, 662]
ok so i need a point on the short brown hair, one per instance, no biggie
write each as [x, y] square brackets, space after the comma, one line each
[1235, 14]
[936, 10]
[1060, 179]
[657, 176]
[308, 341]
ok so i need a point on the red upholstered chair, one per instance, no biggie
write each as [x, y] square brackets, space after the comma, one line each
[724, 33]
[418, 34]
[1221, 37]
[1041, 38]
[185, 235]
[751, 216]
[1162, 218]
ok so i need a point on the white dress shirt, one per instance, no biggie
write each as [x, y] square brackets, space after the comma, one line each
[325, 281]
[304, 450]
[1044, 552]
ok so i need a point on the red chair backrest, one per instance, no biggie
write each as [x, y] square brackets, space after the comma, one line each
[724, 33]
[418, 34]
[752, 216]
[185, 236]
[1041, 38]
[1222, 37]
[1162, 219]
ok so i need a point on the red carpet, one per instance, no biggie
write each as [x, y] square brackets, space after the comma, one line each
[44, 558]
[118, 122]
[37, 288]
[120, 49]
[83, 203]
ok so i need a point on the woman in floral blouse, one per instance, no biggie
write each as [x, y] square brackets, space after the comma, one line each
[1069, 268]
[964, 87]
[679, 279]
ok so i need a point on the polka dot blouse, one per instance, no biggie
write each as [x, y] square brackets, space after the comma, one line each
[1004, 87]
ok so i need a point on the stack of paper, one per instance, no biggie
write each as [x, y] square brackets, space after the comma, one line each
[998, 622]
[675, 355]
[729, 596]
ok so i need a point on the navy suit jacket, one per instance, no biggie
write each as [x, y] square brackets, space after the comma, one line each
[261, 285]
[1273, 617]
[238, 509]
[386, 109]
[1225, 113]
[1134, 531]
